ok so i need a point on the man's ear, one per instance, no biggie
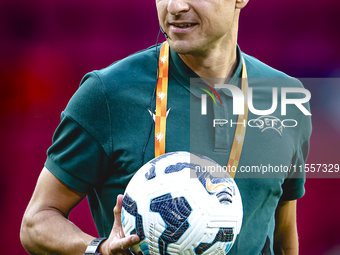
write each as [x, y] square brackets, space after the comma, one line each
[241, 3]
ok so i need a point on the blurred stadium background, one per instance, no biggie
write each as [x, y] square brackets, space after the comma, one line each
[47, 46]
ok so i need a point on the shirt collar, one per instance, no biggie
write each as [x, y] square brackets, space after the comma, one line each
[182, 74]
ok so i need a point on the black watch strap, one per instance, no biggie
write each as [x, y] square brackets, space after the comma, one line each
[93, 247]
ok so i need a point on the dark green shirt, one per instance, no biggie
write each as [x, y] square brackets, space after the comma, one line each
[106, 134]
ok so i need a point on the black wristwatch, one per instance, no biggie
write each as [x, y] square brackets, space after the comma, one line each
[93, 247]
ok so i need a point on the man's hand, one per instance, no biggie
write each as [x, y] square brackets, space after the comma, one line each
[117, 243]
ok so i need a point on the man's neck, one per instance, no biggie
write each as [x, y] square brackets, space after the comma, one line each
[219, 63]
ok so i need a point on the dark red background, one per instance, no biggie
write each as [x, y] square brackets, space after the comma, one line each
[47, 46]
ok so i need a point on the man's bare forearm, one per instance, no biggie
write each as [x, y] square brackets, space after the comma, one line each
[285, 235]
[45, 228]
[49, 232]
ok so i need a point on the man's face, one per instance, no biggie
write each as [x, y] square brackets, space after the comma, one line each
[197, 26]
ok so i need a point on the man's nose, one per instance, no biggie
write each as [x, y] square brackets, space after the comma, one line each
[176, 7]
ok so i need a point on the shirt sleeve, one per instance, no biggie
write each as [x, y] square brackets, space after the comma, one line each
[81, 145]
[293, 186]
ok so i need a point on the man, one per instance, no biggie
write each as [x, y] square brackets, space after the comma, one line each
[104, 138]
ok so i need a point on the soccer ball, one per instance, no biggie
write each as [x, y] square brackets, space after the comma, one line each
[177, 205]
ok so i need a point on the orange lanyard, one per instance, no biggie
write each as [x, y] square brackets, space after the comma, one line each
[161, 111]
[161, 100]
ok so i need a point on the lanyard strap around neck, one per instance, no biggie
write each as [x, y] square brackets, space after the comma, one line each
[161, 99]
[161, 111]
[240, 132]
